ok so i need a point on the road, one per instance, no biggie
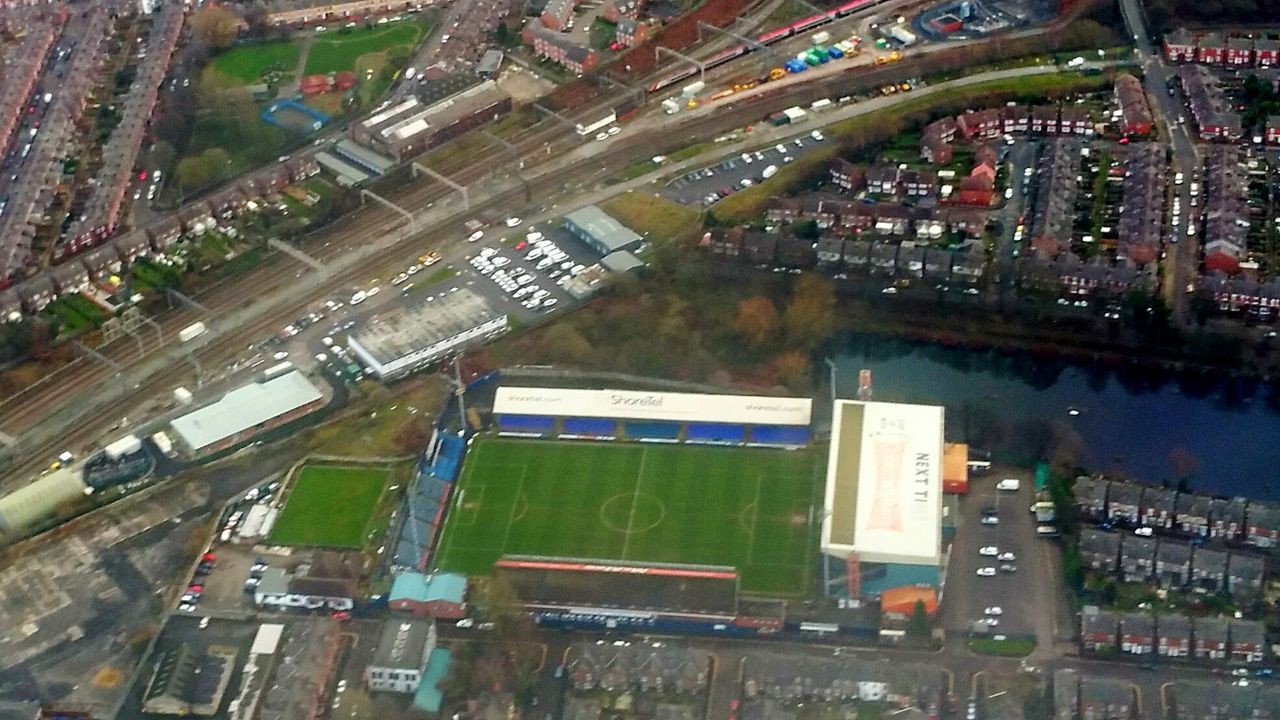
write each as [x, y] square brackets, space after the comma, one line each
[1183, 254]
[375, 241]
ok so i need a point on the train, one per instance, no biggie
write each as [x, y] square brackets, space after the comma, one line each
[767, 38]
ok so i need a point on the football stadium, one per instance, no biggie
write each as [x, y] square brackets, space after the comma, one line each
[673, 482]
[882, 517]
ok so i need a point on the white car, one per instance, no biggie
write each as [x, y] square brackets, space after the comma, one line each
[534, 254]
[1143, 531]
[204, 622]
[513, 221]
[989, 622]
[1006, 557]
[990, 520]
[1009, 484]
[817, 136]
[524, 279]
[500, 261]
[986, 572]
[488, 252]
[534, 236]
[549, 303]
[281, 355]
[539, 293]
[475, 236]
[993, 610]
[989, 551]
[399, 279]
[614, 130]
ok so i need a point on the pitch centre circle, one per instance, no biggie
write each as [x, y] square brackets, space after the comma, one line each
[632, 513]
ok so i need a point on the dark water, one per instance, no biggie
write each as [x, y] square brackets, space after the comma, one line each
[1148, 424]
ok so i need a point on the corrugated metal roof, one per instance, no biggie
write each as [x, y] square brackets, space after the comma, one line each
[245, 407]
[23, 507]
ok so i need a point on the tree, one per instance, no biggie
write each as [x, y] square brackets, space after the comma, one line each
[215, 26]
[756, 321]
[918, 627]
[792, 367]
[808, 229]
[193, 173]
[810, 314]
[563, 342]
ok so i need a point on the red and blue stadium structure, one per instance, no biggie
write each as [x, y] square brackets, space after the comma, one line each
[768, 38]
[695, 433]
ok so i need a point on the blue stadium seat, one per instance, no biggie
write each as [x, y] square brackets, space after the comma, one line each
[716, 432]
[785, 435]
[526, 423]
[638, 429]
[591, 426]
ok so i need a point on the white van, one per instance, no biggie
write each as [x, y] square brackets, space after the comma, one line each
[1009, 484]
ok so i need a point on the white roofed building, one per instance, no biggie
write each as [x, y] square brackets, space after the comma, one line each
[882, 513]
[246, 411]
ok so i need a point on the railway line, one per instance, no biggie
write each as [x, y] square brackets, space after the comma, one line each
[374, 221]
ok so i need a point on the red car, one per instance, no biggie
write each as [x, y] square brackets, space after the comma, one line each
[342, 615]
[193, 587]
[209, 557]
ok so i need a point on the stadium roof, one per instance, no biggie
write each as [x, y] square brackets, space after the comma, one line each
[641, 405]
[601, 586]
[244, 408]
[603, 228]
[403, 644]
[884, 483]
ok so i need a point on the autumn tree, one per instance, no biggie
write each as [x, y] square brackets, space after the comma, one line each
[563, 342]
[792, 367]
[215, 26]
[756, 321]
[810, 315]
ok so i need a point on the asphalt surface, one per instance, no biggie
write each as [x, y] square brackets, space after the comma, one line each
[710, 183]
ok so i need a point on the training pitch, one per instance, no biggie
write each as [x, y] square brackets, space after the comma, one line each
[330, 506]
[748, 508]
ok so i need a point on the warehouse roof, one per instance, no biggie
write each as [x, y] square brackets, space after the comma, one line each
[244, 408]
[406, 330]
[603, 228]
[27, 505]
[403, 644]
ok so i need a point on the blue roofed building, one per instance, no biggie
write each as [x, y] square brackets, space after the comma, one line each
[441, 595]
[428, 696]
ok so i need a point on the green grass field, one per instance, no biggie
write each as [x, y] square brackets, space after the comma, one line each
[246, 64]
[748, 508]
[330, 506]
[339, 51]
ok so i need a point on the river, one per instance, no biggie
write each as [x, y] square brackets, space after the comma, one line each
[1144, 423]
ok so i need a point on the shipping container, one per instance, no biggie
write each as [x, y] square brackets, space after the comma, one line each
[794, 113]
[902, 35]
[692, 89]
[182, 395]
[822, 38]
[835, 53]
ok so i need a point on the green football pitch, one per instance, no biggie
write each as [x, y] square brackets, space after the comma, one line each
[330, 506]
[748, 508]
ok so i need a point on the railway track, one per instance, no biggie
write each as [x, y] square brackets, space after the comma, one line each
[375, 221]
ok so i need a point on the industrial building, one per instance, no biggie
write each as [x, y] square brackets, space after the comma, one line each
[27, 507]
[600, 230]
[401, 656]
[408, 339]
[346, 174]
[247, 411]
[410, 127]
[365, 159]
[188, 681]
[882, 514]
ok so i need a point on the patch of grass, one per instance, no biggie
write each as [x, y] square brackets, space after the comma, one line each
[374, 424]
[1002, 648]
[330, 506]
[658, 219]
[339, 51]
[690, 151]
[245, 64]
[746, 508]
[248, 142]
[76, 312]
